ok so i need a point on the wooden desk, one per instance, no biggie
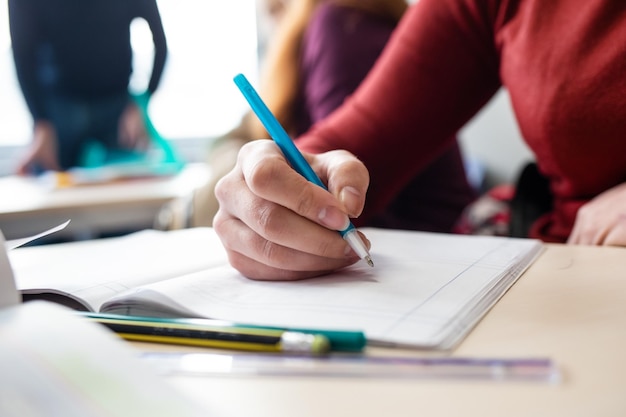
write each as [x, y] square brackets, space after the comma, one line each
[28, 207]
[569, 306]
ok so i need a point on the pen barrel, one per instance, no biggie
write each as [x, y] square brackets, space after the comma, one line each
[277, 131]
[255, 339]
[339, 340]
[351, 235]
[294, 156]
[253, 336]
[347, 230]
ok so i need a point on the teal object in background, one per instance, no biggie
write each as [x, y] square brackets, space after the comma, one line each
[160, 159]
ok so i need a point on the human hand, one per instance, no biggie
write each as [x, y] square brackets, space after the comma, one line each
[276, 225]
[132, 129]
[43, 150]
[602, 221]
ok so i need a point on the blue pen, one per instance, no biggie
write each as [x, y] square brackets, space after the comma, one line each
[295, 158]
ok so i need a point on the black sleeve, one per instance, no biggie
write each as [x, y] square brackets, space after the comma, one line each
[25, 39]
[150, 12]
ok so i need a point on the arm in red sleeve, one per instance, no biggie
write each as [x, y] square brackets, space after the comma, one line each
[439, 69]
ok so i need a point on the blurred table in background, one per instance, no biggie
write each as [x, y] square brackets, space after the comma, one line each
[31, 205]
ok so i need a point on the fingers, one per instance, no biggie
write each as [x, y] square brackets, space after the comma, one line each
[588, 229]
[260, 259]
[275, 224]
[602, 221]
[270, 177]
[262, 202]
[617, 235]
[346, 177]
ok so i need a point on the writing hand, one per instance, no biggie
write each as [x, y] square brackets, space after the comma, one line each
[276, 225]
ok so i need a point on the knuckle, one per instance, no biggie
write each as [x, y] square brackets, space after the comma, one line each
[268, 250]
[304, 201]
[352, 164]
[583, 211]
[219, 225]
[261, 176]
[221, 189]
[223, 226]
[268, 219]
[327, 248]
[226, 186]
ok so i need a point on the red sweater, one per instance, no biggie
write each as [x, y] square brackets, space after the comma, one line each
[340, 46]
[563, 63]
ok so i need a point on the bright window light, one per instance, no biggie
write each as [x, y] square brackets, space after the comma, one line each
[209, 42]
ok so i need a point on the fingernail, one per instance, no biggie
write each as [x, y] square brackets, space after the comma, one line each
[351, 200]
[333, 218]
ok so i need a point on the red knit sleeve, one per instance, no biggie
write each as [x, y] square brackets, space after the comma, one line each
[439, 69]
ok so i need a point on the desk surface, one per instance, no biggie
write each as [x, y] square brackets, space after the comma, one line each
[28, 206]
[569, 306]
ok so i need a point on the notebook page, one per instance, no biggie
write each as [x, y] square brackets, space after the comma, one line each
[56, 364]
[8, 293]
[93, 271]
[414, 296]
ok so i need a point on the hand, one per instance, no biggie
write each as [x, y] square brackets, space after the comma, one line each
[602, 221]
[132, 129]
[43, 150]
[275, 225]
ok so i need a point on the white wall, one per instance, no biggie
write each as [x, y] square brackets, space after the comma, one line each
[494, 139]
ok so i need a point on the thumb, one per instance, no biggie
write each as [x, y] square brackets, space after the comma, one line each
[347, 179]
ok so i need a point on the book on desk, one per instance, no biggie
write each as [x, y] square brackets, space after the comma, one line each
[427, 290]
[55, 363]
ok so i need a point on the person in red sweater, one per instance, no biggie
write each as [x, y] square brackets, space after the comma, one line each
[320, 53]
[564, 66]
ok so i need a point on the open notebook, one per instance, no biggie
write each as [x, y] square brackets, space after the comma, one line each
[56, 364]
[426, 291]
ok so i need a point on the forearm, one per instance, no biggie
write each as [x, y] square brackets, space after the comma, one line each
[430, 80]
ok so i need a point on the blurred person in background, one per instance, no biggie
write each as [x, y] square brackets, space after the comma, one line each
[320, 51]
[73, 61]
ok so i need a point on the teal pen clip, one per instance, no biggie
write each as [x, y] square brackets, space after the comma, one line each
[339, 340]
[295, 158]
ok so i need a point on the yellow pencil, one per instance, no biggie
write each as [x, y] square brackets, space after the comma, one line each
[186, 332]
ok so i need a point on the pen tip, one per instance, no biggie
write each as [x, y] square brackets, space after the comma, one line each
[369, 261]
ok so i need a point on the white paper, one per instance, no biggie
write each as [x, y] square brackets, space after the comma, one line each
[426, 290]
[8, 293]
[15, 243]
[9, 296]
[95, 270]
[57, 364]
